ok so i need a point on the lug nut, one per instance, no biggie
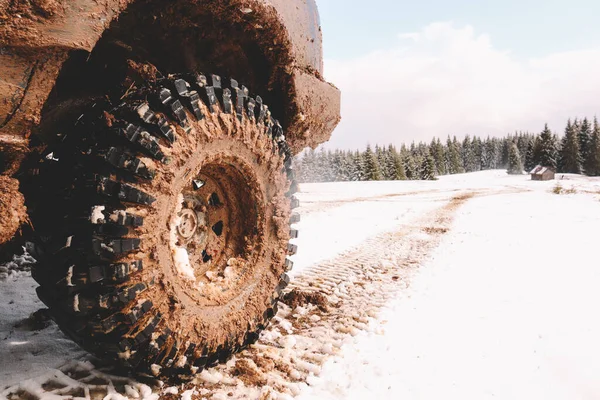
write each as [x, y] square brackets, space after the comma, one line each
[198, 184]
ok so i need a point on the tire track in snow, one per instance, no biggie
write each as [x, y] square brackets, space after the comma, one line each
[356, 285]
[349, 291]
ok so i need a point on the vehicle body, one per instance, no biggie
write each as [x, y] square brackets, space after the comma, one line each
[274, 46]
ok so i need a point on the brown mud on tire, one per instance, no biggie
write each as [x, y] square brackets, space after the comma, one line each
[30, 8]
[12, 208]
[164, 229]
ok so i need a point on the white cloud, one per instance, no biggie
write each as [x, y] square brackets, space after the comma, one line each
[448, 80]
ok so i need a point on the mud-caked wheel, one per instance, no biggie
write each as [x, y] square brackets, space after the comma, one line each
[163, 225]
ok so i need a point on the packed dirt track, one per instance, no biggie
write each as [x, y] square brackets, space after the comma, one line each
[377, 284]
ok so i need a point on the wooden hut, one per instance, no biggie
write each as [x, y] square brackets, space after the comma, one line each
[541, 173]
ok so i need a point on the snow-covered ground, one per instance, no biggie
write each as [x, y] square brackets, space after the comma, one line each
[505, 308]
[474, 286]
[337, 216]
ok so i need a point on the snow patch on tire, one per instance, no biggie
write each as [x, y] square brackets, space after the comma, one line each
[181, 257]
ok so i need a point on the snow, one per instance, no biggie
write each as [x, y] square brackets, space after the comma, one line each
[187, 395]
[182, 263]
[474, 286]
[97, 216]
[25, 353]
[505, 309]
[338, 216]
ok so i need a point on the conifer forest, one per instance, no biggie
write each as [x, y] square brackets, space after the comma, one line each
[576, 150]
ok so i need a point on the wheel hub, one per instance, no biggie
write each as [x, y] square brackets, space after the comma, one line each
[191, 223]
[188, 224]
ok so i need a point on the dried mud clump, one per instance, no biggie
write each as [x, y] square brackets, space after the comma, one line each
[249, 373]
[12, 208]
[264, 363]
[297, 298]
[140, 73]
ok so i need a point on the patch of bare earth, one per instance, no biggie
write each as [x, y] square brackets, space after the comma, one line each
[323, 309]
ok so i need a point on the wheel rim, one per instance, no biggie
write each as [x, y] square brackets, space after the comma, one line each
[214, 232]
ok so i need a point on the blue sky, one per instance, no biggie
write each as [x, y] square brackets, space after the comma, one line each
[528, 27]
[467, 67]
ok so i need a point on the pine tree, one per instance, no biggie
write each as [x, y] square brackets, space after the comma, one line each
[498, 145]
[347, 165]
[395, 165]
[320, 166]
[490, 155]
[548, 151]
[337, 167]
[506, 142]
[399, 172]
[417, 153]
[467, 155]
[594, 151]
[537, 150]
[428, 168]
[484, 159]
[453, 156]
[440, 158]
[584, 137]
[371, 166]
[515, 166]
[523, 141]
[388, 159]
[358, 164]
[409, 163]
[529, 159]
[570, 161]
[477, 151]
[380, 155]
[307, 168]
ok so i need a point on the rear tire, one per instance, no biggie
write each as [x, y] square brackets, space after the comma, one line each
[162, 225]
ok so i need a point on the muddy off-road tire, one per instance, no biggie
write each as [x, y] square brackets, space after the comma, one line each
[163, 225]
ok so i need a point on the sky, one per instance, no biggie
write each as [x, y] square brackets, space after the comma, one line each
[411, 71]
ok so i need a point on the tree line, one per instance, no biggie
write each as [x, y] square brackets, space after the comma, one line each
[577, 152]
